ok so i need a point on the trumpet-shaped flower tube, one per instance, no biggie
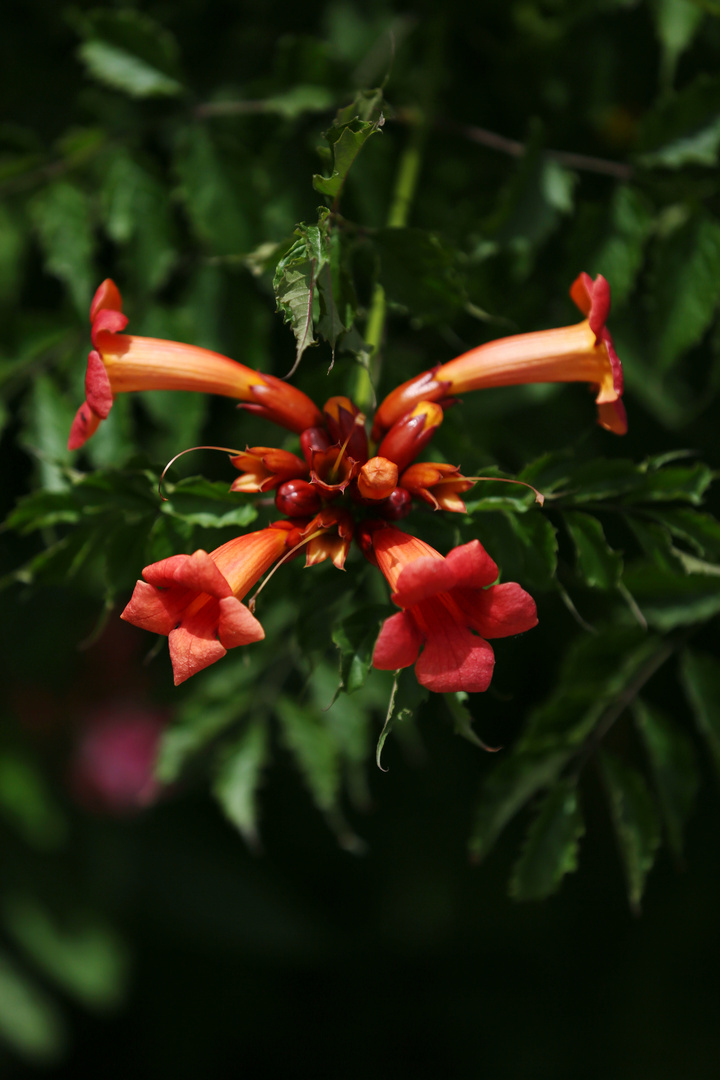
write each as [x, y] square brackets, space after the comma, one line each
[121, 363]
[195, 599]
[580, 353]
[450, 606]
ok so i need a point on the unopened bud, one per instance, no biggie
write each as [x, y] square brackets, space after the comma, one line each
[378, 478]
[411, 434]
[396, 506]
[297, 498]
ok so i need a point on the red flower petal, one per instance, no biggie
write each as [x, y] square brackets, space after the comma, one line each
[107, 298]
[196, 571]
[500, 611]
[190, 652]
[472, 566]
[455, 659]
[153, 609]
[84, 425]
[106, 321]
[422, 578]
[98, 391]
[398, 644]
[237, 626]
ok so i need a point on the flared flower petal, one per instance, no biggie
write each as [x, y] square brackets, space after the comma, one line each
[580, 353]
[450, 607]
[123, 363]
[196, 599]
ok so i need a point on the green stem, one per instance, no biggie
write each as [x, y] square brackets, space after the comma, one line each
[405, 186]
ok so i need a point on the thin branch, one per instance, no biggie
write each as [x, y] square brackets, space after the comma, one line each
[584, 162]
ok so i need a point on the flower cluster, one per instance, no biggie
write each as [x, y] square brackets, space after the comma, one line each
[340, 488]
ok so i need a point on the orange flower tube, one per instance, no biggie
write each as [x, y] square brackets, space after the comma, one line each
[580, 353]
[122, 363]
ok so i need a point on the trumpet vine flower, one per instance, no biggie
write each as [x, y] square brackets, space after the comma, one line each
[583, 352]
[195, 600]
[450, 606]
[343, 488]
[121, 363]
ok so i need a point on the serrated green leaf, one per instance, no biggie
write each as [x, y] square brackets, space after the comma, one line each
[525, 546]
[346, 140]
[405, 699]
[207, 503]
[239, 776]
[310, 740]
[29, 1021]
[684, 297]
[355, 637]
[668, 600]
[674, 769]
[419, 272]
[656, 542]
[295, 283]
[595, 673]
[685, 129]
[214, 704]
[701, 531]
[551, 846]
[210, 188]
[463, 720]
[136, 211]
[636, 821]
[598, 564]
[63, 217]
[700, 676]
[620, 255]
[83, 956]
[49, 416]
[506, 789]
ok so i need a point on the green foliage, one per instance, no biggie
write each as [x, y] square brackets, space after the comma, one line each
[130, 52]
[636, 822]
[192, 185]
[551, 847]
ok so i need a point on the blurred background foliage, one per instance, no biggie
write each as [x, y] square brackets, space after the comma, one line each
[270, 893]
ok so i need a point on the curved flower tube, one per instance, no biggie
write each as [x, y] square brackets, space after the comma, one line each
[195, 599]
[121, 363]
[450, 607]
[580, 353]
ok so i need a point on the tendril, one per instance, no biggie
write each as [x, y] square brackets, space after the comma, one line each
[223, 449]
